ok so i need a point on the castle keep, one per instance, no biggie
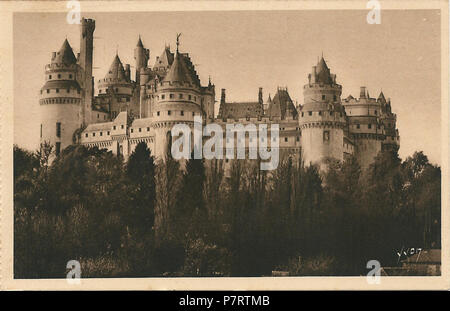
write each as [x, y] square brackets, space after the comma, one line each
[125, 111]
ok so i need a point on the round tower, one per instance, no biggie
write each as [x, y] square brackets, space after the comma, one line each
[322, 117]
[117, 87]
[60, 100]
[364, 126]
[177, 100]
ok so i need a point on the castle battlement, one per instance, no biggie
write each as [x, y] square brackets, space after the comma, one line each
[126, 112]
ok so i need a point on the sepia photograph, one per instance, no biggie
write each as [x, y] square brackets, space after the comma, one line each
[269, 143]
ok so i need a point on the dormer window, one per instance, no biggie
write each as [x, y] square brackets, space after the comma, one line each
[163, 96]
[169, 112]
[50, 77]
[310, 113]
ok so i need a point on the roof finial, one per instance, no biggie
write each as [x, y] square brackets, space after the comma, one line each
[178, 40]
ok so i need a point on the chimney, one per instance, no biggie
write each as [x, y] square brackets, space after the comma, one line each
[362, 92]
[260, 96]
[222, 97]
[127, 72]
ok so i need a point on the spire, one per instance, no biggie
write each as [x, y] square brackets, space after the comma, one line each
[381, 97]
[116, 71]
[65, 55]
[178, 71]
[178, 40]
[139, 44]
[323, 72]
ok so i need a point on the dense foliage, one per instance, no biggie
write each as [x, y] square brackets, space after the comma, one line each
[141, 218]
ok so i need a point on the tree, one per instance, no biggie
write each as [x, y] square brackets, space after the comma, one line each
[140, 172]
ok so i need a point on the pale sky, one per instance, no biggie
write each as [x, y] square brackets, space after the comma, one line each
[242, 51]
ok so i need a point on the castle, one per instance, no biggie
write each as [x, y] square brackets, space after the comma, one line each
[126, 112]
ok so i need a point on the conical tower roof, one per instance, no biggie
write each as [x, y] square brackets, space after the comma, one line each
[65, 55]
[178, 71]
[323, 72]
[165, 59]
[139, 43]
[116, 71]
[381, 97]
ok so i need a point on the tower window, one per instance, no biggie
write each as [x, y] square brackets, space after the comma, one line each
[50, 77]
[190, 97]
[285, 139]
[163, 96]
[157, 113]
[323, 97]
[320, 113]
[334, 97]
[169, 112]
[193, 113]
[358, 126]
[171, 95]
[114, 127]
[58, 148]
[87, 135]
[140, 130]
[59, 76]
[148, 129]
[48, 91]
[107, 133]
[310, 113]
[326, 136]
[58, 129]
[303, 113]
[182, 112]
[101, 133]
[68, 90]
[376, 112]
[70, 76]
[298, 138]
[331, 113]
[369, 126]
[181, 95]
[121, 126]
[117, 90]
[57, 90]
[131, 130]
[93, 134]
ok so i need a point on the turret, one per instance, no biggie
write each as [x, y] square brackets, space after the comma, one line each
[141, 55]
[322, 118]
[61, 100]
[117, 89]
[85, 61]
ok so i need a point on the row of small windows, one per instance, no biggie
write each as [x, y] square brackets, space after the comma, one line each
[101, 134]
[180, 96]
[320, 113]
[61, 101]
[57, 91]
[334, 97]
[60, 76]
[169, 113]
[369, 126]
[140, 130]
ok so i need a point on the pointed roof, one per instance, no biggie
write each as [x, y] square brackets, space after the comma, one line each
[165, 59]
[116, 71]
[323, 72]
[381, 97]
[282, 105]
[178, 71]
[65, 55]
[139, 44]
